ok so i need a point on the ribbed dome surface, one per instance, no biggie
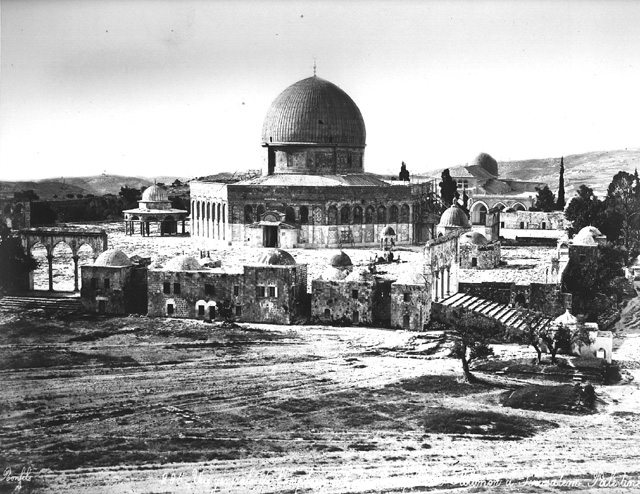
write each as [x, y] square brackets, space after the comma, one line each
[587, 236]
[340, 260]
[314, 111]
[454, 216]
[566, 319]
[183, 263]
[113, 258]
[474, 238]
[155, 193]
[277, 257]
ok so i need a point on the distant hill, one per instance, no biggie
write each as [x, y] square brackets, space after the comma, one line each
[594, 169]
[97, 185]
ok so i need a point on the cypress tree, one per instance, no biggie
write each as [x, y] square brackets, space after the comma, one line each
[560, 202]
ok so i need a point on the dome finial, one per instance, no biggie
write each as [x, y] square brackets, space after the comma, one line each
[314, 66]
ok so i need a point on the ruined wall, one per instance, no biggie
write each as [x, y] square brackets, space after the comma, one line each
[335, 300]
[546, 298]
[107, 289]
[410, 306]
[486, 256]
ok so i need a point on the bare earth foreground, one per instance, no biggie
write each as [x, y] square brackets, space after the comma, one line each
[133, 405]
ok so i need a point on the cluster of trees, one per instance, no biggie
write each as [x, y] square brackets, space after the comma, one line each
[617, 216]
[546, 199]
[14, 262]
[472, 335]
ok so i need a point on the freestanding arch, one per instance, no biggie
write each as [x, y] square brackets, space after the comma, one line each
[49, 237]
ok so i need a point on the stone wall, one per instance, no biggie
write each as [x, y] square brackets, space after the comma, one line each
[440, 266]
[496, 292]
[332, 301]
[474, 256]
[318, 160]
[532, 224]
[410, 306]
[107, 290]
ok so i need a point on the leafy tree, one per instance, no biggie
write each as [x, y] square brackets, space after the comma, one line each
[531, 332]
[176, 183]
[561, 338]
[545, 200]
[448, 188]
[26, 195]
[404, 173]
[636, 186]
[623, 208]
[560, 204]
[130, 196]
[14, 262]
[471, 335]
[585, 209]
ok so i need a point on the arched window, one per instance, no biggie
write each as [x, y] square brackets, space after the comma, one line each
[304, 215]
[357, 215]
[332, 218]
[382, 215]
[260, 212]
[393, 214]
[404, 214]
[369, 214]
[344, 215]
[208, 211]
[290, 215]
[248, 214]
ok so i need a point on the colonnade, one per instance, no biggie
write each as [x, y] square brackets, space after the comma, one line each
[209, 219]
[441, 286]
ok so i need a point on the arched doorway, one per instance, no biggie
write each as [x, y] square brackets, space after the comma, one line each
[479, 213]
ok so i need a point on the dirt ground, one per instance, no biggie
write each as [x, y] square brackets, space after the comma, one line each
[138, 405]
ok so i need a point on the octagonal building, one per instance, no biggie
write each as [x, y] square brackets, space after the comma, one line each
[313, 191]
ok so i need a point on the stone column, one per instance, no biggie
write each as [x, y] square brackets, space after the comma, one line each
[412, 224]
[442, 283]
[75, 273]
[436, 280]
[50, 259]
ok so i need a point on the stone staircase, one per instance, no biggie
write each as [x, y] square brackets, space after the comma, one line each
[48, 305]
[508, 316]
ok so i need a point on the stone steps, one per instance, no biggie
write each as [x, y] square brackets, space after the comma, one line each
[509, 317]
[58, 305]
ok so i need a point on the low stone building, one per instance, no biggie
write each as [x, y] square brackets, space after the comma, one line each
[477, 253]
[410, 303]
[342, 295]
[530, 225]
[113, 284]
[271, 290]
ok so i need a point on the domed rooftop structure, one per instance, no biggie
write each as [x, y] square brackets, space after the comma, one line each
[566, 319]
[388, 232]
[183, 263]
[276, 257]
[486, 162]
[587, 236]
[155, 193]
[454, 217]
[314, 111]
[359, 275]
[340, 260]
[474, 238]
[114, 258]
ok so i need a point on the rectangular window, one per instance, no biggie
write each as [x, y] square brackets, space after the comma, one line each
[201, 310]
[407, 297]
[272, 291]
[94, 283]
[502, 224]
[176, 288]
[166, 287]
[170, 309]
[236, 290]
[522, 225]
[327, 313]
[208, 289]
[354, 293]
[474, 262]
[260, 291]
[107, 283]
[544, 226]
[238, 310]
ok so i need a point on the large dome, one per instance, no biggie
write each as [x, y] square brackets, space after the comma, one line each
[314, 111]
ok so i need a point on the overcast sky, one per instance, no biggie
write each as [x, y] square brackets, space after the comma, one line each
[150, 87]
